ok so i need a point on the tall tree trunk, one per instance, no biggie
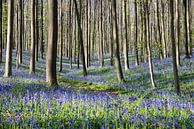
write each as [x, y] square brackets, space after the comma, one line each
[136, 35]
[101, 36]
[20, 43]
[126, 46]
[51, 75]
[161, 46]
[17, 39]
[32, 60]
[111, 35]
[175, 70]
[1, 27]
[37, 30]
[190, 10]
[8, 63]
[163, 28]
[61, 41]
[42, 31]
[116, 38]
[177, 32]
[186, 20]
[80, 37]
[147, 40]
[70, 34]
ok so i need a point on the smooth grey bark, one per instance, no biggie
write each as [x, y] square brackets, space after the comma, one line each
[126, 46]
[1, 36]
[32, 59]
[8, 63]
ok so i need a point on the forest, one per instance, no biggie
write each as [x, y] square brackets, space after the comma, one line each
[96, 64]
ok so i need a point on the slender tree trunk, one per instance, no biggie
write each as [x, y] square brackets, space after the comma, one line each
[175, 70]
[70, 35]
[32, 60]
[190, 11]
[147, 40]
[17, 36]
[136, 35]
[37, 30]
[80, 36]
[159, 31]
[177, 32]
[111, 35]
[126, 46]
[42, 31]
[1, 36]
[20, 44]
[116, 38]
[101, 37]
[186, 20]
[163, 29]
[61, 41]
[51, 74]
[8, 63]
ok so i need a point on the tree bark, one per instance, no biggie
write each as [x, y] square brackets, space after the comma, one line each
[32, 60]
[147, 40]
[20, 43]
[126, 46]
[136, 35]
[8, 63]
[61, 41]
[51, 75]
[116, 38]
[175, 70]
[80, 37]
[186, 23]
[1, 36]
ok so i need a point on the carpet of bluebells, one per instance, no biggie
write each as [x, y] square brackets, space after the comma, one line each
[26, 101]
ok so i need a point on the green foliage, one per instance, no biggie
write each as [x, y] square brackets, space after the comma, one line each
[97, 71]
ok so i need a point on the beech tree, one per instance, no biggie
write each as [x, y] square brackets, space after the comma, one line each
[80, 36]
[116, 40]
[1, 36]
[51, 75]
[33, 40]
[8, 63]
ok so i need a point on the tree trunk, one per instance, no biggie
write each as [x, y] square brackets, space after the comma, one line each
[147, 40]
[51, 75]
[1, 36]
[126, 46]
[8, 63]
[61, 41]
[177, 32]
[116, 38]
[37, 31]
[186, 20]
[175, 70]
[136, 35]
[20, 43]
[42, 31]
[32, 60]
[80, 37]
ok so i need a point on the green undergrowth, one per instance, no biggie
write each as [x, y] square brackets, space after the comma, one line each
[77, 84]
[97, 71]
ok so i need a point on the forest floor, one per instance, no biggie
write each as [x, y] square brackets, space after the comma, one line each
[97, 100]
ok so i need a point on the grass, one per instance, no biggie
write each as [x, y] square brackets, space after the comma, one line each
[97, 71]
[90, 86]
